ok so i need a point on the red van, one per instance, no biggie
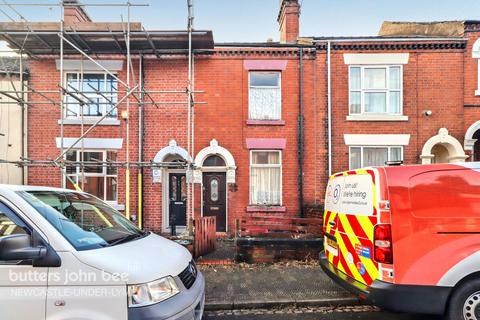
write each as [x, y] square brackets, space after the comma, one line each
[407, 238]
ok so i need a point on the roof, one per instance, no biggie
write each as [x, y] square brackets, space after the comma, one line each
[425, 29]
[11, 65]
[40, 38]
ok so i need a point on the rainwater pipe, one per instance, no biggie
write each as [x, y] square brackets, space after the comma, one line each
[329, 105]
[300, 131]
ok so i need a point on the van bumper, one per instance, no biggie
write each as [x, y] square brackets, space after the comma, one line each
[393, 297]
[187, 305]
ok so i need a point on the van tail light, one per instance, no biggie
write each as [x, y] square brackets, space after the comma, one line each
[382, 243]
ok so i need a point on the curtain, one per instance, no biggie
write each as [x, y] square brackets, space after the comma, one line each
[265, 180]
[375, 156]
[264, 103]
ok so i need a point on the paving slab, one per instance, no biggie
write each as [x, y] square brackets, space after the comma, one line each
[264, 286]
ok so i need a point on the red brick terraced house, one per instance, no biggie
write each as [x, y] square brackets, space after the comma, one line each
[278, 117]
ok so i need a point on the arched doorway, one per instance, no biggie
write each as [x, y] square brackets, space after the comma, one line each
[174, 186]
[472, 141]
[214, 170]
[442, 148]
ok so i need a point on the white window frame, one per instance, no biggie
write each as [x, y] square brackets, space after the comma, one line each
[279, 87]
[77, 175]
[280, 165]
[104, 92]
[371, 147]
[363, 90]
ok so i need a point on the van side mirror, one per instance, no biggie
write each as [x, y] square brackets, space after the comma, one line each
[18, 247]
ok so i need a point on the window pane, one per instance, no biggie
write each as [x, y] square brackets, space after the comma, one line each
[112, 93]
[395, 78]
[355, 158]
[375, 78]
[394, 106]
[111, 189]
[396, 154]
[375, 102]
[355, 102]
[7, 225]
[214, 161]
[375, 156]
[355, 78]
[264, 79]
[265, 186]
[95, 186]
[214, 190]
[94, 160]
[265, 157]
[111, 157]
[71, 157]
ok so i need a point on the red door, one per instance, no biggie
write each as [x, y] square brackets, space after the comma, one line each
[215, 198]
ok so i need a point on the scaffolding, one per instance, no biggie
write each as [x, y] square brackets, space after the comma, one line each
[34, 40]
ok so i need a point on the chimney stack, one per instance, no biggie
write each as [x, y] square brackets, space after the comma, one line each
[74, 13]
[289, 21]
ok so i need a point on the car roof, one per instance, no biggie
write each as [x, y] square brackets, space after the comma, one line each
[33, 188]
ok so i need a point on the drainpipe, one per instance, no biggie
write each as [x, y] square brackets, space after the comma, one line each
[300, 131]
[140, 142]
[329, 105]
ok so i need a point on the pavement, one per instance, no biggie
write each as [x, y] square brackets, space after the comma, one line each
[314, 313]
[243, 286]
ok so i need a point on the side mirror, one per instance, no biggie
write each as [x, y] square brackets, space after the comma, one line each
[18, 247]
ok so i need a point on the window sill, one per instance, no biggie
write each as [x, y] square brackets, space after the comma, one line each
[477, 92]
[91, 121]
[265, 122]
[377, 118]
[254, 208]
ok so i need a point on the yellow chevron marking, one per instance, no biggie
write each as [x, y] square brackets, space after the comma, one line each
[351, 267]
[368, 263]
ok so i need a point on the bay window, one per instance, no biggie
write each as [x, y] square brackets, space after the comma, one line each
[266, 178]
[97, 90]
[361, 157]
[264, 96]
[95, 177]
[375, 90]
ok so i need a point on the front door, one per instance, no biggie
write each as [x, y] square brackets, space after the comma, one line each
[178, 199]
[215, 198]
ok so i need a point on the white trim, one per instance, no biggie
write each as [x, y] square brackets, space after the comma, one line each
[379, 117]
[476, 49]
[469, 142]
[172, 149]
[91, 143]
[76, 65]
[90, 121]
[455, 149]
[376, 139]
[376, 58]
[215, 149]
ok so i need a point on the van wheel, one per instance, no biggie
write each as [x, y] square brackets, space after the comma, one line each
[465, 302]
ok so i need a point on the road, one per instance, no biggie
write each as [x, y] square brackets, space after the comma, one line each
[346, 313]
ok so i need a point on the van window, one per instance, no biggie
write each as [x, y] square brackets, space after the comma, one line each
[10, 223]
[85, 221]
[440, 194]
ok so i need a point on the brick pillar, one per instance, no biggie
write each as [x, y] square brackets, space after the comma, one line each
[289, 21]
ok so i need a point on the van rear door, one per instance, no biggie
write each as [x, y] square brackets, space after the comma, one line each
[351, 206]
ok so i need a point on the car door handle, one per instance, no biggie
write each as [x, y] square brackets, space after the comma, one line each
[332, 223]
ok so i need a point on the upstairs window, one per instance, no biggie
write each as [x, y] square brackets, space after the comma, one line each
[96, 177]
[265, 96]
[375, 90]
[97, 90]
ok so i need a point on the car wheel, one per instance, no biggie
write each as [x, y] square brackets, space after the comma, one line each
[465, 302]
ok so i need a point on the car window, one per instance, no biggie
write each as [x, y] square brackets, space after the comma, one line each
[9, 222]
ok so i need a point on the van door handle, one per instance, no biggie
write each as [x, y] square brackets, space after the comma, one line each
[332, 223]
